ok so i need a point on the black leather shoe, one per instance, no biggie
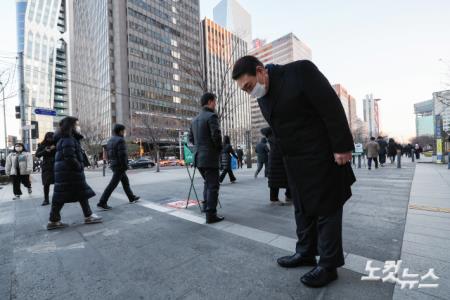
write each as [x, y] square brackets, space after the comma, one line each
[135, 199]
[46, 202]
[296, 260]
[104, 206]
[213, 218]
[319, 277]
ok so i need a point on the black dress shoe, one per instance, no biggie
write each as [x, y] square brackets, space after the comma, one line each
[319, 277]
[46, 202]
[104, 206]
[213, 218]
[296, 260]
[134, 199]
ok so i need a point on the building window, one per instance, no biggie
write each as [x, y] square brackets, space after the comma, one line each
[176, 99]
[174, 21]
[176, 54]
[174, 9]
[176, 88]
[175, 65]
[174, 43]
[176, 77]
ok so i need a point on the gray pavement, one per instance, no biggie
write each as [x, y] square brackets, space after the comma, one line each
[151, 251]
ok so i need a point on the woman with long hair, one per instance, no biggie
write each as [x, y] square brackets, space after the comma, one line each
[19, 166]
[70, 182]
[225, 158]
[47, 150]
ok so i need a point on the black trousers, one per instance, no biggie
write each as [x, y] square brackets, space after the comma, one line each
[275, 191]
[118, 176]
[260, 166]
[226, 171]
[210, 188]
[46, 192]
[320, 235]
[369, 162]
[55, 212]
[20, 179]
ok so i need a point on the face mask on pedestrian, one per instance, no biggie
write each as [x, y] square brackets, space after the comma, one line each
[18, 148]
[259, 90]
[78, 129]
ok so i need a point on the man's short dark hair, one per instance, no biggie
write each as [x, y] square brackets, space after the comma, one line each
[118, 128]
[372, 138]
[246, 65]
[206, 98]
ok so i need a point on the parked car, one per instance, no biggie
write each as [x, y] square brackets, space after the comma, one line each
[141, 163]
[171, 162]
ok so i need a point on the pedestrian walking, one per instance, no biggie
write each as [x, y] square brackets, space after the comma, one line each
[276, 174]
[240, 155]
[392, 149]
[262, 156]
[225, 159]
[70, 182]
[309, 123]
[206, 137]
[372, 148]
[118, 161]
[382, 152]
[19, 166]
[417, 150]
[47, 151]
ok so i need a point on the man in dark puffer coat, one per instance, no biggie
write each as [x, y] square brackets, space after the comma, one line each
[118, 157]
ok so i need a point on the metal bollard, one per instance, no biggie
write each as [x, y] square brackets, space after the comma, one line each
[359, 161]
[399, 160]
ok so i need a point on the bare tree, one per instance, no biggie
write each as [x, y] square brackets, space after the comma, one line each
[156, 129]
[423, 140]
[93, 139]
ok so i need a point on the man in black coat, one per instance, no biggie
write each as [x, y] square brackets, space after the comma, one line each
[118, 157]
[240, 155]
[262, 156]
[206, 137]
[311, 129]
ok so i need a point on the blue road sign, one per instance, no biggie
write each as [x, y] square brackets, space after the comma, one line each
[45, 111]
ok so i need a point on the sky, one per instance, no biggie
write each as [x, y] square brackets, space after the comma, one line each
[397, 50]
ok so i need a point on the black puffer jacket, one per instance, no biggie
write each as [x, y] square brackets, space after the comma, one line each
[48, 161]
[117, 153]
[70, 182]
[277, 173]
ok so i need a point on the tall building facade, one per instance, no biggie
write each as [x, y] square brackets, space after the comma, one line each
[232, 16]
[281, 51]
[424, 112]
[134, 64]
[221, 49]
[43, 64]
[372, 115]
[349, 104]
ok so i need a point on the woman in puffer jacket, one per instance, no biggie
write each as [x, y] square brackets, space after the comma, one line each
[19, 166]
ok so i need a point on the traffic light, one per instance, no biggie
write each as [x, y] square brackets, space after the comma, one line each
[17, 112]
[34, 130]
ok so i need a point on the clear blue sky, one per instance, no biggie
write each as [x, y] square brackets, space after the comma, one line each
[388, 48]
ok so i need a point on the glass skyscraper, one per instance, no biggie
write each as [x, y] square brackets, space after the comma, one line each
[43, 74]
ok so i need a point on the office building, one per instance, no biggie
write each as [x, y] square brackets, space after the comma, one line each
[43, 65]
[233, 17]
[133, 65]
[372, 115]
[221, 49]
[349, 104]
[424, 112]
[281, 51]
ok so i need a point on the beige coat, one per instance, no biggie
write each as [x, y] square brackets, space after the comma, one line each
[372, 148]
[25, 163]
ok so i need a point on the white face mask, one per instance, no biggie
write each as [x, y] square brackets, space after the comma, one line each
[259, 90]
[78, 129]
[18, 149]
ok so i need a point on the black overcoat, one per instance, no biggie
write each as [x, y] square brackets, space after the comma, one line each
[277, 174]
[70, 182]
[309, 124]
[48, 161]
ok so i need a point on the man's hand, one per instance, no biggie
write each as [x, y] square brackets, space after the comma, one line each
[342, 158]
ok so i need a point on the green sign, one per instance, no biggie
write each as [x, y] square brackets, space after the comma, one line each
[188, 155]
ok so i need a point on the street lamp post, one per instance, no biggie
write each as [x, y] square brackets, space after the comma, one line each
[4, 118]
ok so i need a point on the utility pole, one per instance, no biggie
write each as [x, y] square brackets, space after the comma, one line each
[23, 114]
[4, 119]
